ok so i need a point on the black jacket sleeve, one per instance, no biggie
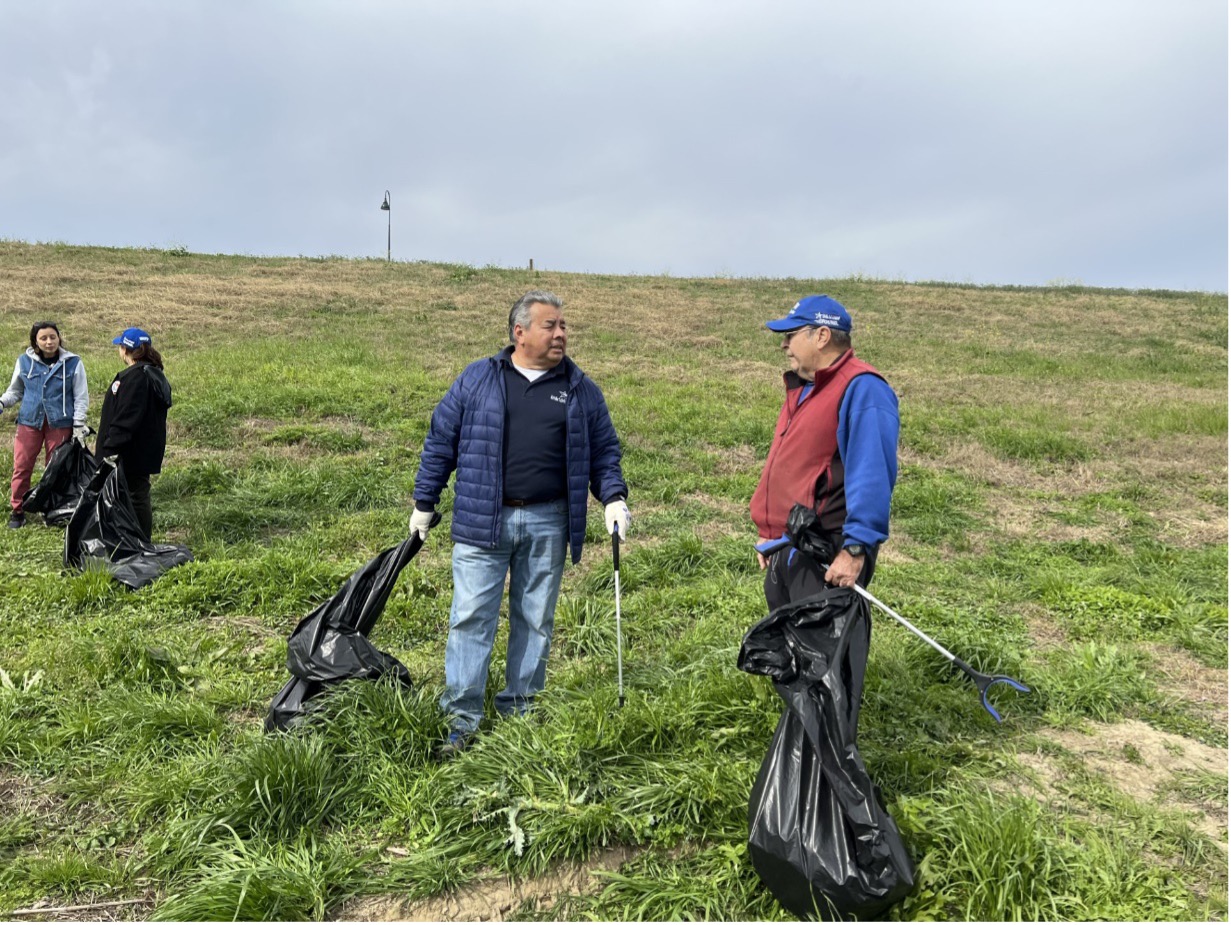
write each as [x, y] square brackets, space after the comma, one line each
[129, 405]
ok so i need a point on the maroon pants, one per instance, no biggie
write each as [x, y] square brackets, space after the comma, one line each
[26, 444]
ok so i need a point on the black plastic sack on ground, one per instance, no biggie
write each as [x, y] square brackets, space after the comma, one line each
[104, 528]
[330, 644]
[68, 472]
[818, 836]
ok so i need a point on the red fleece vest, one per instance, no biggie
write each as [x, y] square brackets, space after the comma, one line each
[803, 464]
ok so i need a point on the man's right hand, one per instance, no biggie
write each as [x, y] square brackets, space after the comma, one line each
[421, 522]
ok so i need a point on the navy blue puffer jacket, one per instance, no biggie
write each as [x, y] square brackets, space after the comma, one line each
[467, 434]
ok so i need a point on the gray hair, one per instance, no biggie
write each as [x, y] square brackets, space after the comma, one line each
[840, 339]
[520, 313]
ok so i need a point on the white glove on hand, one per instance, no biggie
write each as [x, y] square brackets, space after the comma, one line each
[81, 431]
[421, 522]
[616, 514]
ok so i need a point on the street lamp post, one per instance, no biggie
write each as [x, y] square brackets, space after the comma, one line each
[387, 207]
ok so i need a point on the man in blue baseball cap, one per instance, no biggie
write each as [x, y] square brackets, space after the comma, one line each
[834, 450]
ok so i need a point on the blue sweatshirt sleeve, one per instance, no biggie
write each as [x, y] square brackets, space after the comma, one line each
[868, 445]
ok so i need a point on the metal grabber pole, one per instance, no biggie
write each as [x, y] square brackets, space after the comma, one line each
[982, 681]
[615, 556]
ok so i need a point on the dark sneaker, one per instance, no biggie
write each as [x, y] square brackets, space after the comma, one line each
[16, 520]
[454, 745]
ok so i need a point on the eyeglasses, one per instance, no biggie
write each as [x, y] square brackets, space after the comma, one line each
[788, 336]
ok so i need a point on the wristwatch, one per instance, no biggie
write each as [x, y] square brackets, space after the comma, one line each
[855, 549]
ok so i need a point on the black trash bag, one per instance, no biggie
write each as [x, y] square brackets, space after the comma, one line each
[104, 528]
[330, 644]
[68, 472]
[804, 529]
[817, 833]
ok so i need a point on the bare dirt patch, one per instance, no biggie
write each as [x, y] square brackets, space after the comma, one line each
[1141, 762]
[490, 899]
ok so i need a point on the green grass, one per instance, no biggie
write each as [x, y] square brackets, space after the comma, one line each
[1060, 517]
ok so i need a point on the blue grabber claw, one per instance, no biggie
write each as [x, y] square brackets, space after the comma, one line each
[984, 681]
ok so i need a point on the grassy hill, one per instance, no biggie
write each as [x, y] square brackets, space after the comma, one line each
[1060, 516]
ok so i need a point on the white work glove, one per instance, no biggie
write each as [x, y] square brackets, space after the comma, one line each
[421, 522]
[616, 514]
[81, 431]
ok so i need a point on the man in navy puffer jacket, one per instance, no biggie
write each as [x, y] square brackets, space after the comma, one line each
[529, 436]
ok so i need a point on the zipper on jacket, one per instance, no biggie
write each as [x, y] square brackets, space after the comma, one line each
[568, 489]
[504, 408]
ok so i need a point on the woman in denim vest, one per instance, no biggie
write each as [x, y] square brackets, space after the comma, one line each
[49, 385]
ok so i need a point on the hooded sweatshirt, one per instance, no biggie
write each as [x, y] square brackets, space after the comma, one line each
[134, 419]
[55, 392]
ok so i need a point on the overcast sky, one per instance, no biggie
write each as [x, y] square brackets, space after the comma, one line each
[985, 141]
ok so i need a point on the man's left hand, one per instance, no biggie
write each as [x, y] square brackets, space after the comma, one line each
[616, 515]
[844, 570]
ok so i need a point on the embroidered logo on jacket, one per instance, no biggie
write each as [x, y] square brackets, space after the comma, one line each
[561, 397]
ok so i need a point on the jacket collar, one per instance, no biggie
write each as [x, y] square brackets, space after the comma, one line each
[64, 357]
[156, 376]
[794, 381]
[566, 366]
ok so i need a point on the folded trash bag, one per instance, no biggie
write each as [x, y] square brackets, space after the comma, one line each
[817, 834]
[104, 528]
[68, 472]
[330, 644]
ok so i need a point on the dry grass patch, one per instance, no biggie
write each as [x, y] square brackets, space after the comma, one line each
[1184, 677]
[1042, 629]
[732, 460]
[724, 507]
[104, 910]
[22, 795]
[1185, 518]
[1139, 761]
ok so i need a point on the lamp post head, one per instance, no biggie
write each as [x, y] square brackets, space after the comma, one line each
[385, 206]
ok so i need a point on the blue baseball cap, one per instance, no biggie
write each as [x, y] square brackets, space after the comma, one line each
[132, 337]
[818, 311]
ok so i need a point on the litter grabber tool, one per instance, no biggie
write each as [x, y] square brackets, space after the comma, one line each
[982, 681]
[615, 557]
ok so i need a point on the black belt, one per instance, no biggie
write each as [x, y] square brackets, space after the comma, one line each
[522, 502]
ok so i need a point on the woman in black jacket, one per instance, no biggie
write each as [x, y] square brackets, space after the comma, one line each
[134, 420]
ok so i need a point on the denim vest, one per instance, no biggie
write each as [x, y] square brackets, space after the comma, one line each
[48, 390]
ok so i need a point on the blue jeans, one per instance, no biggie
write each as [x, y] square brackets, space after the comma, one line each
[531, 551]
